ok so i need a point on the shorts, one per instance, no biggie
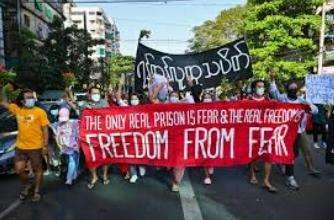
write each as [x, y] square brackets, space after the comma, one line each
[304, 144]
[34, 156]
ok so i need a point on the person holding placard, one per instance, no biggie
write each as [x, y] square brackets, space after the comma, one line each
[292, 97]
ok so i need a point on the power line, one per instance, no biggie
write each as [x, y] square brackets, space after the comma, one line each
[150, 21]
[172, 3]
[157, 40]
[106, 1]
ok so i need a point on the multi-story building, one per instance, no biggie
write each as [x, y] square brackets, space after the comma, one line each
[33, 15]
[2, 44]
[97, 24]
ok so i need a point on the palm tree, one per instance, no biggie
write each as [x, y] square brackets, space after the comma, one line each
[144, 33]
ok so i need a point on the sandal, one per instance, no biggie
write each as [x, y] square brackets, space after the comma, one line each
[25, 192]
[254, 181]
[36, 197]
[106, 181]
[270, 189]
[314, 173]
[127, 176]
[91, 184]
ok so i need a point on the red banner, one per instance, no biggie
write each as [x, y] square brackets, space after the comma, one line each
[187, 135]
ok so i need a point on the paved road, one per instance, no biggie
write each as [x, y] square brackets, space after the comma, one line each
[230, 197]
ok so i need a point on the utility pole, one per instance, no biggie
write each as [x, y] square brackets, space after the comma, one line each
[18, 9]
[322, 38]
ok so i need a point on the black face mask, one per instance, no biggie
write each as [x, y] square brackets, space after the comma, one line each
[292, 94]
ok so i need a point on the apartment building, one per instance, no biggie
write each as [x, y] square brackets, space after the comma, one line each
[95, 21]
[33, 15]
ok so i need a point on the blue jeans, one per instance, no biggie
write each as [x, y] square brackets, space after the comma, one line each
[72, 166]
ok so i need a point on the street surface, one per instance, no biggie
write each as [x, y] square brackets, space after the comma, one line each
[229, 197]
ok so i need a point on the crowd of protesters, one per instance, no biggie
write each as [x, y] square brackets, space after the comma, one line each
[34, 125]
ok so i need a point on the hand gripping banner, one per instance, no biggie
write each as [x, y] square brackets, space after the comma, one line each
[215, 134]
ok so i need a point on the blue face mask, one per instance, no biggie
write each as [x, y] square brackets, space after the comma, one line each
[29, 103]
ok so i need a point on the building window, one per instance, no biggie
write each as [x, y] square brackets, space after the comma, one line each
[99, 13]
[26, 20]
[92, 21]
[92, 12]
[93, 31]
[39, 5]
[76, 21]
[76, 13]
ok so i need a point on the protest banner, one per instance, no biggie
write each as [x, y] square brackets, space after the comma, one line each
[177, 135]
[320, 89]
[207, 68]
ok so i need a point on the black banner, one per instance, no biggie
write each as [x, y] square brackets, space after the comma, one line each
[207, 68]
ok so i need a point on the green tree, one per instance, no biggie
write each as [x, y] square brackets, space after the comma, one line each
[30, 62]
[227, 26]
[42, 65]
[282, 36]
[117, 66]
[67, 50]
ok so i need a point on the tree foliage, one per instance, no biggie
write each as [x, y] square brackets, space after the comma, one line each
[282, 36]
[30, 62]
[41, 65]
[68, 50]
[119, 65]
[227, 26]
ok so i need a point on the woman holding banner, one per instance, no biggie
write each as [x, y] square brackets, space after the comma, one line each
[133, 168]
[95, 101]
[178, 172]
[258, 94]
[208, 171]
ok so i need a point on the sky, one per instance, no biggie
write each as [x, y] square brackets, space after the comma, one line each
[171, 23]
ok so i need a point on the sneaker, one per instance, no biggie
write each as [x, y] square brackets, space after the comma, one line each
[142, 171]
[316, 146]
[68, 182]
[292, 183]
[324, 145]
[175, 187]
[133, 179]
[210, 171]
[46, 173]
[207, 181]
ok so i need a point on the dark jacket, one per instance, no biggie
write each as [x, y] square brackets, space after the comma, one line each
[321, 116]
[330, 140]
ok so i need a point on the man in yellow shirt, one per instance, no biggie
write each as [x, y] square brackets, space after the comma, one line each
[31, 142]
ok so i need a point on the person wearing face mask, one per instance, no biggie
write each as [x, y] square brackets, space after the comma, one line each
[66, 133]
[178, 172]
[292, 97]
[54, 110]
[174, 97]
[134, 169]
[32, 141]
[94, 102]
[258, 93]
[208, 171]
